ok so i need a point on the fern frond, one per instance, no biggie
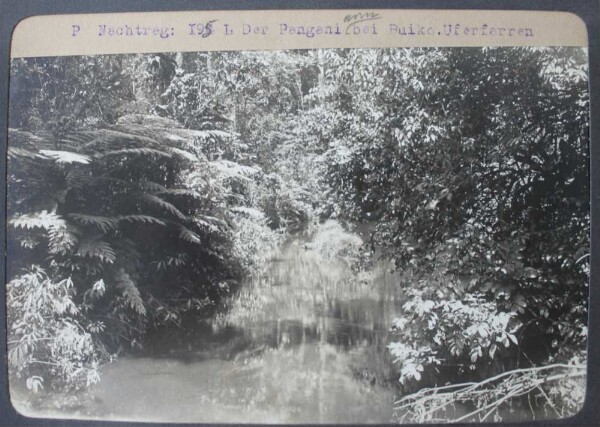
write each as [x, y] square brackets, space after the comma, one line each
[147, 121]
[94, 247]
[182, 192]
[216, 135]
[165, 205]
[128, 252]
[165, 129]
[189, 236]
[80, 138]
[140, 151]
[78, 178]
[103, 223]
[66, 157]
[130, 292]
[184, 154]
[108, 139]
[209, 222]
[29, 242]
[178, 260]
[141, 218]
[152, 186]
[43, 219]
[24, 139]
[62, 239]
[14, 152]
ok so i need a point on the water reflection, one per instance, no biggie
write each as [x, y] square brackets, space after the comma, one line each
[303, 343]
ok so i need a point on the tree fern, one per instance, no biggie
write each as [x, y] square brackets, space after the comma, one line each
[121, 197]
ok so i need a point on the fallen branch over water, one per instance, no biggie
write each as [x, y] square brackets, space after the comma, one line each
[488, 396]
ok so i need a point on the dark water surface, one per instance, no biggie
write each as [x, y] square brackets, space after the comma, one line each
[303, 343]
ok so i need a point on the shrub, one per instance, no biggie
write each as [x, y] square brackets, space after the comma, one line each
[49, 340]
[253, 240]
[437, 330]
[332, 241]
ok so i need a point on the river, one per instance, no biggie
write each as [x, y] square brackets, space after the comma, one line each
[305, 342]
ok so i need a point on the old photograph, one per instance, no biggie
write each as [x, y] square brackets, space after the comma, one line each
[390, 235]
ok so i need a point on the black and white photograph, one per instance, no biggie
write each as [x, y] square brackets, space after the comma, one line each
[357, 235]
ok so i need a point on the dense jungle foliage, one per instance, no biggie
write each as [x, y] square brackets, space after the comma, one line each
[142, 189]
